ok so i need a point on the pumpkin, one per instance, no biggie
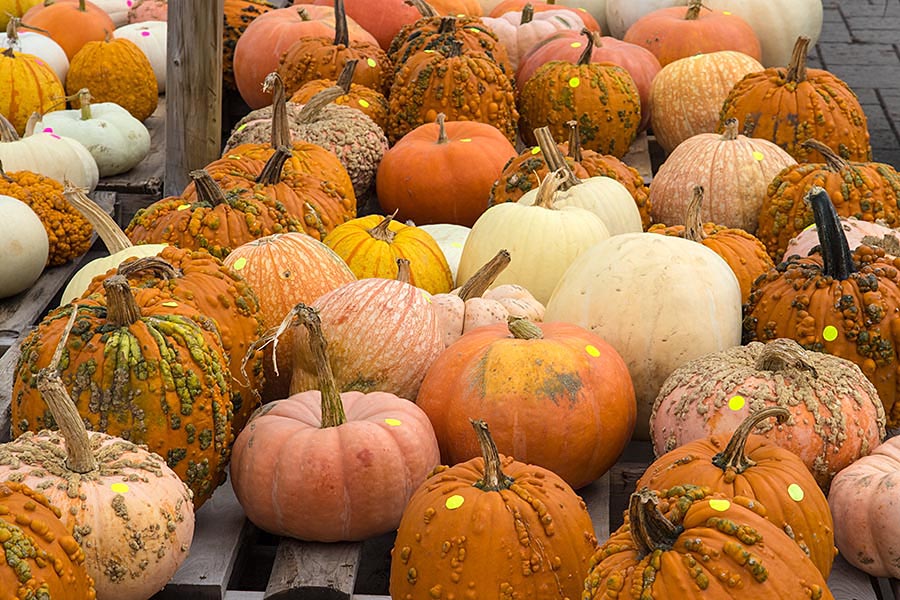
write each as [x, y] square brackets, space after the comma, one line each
[115, 139]
[68, 233]
[71, 23]
[622, 14]
[32, 87]
[687, 94]
[463, 160]
[521, 228]
[465, 87]
[864, 190]
[521, 519]
[14, 9]
[755, 467]
[686, 303]
[40, 46]
[116, 9]
[601, 98]
[674, 33]
[45, 559]
[269, 35]
[567, 45]
[151, 38]
[857, 232]
[839, 303]
[111, 493]
[777, 24]
[238, 16]
[659, 551]
[508, 6]
[450, 239]
[148, 10]
[735, 171]
[24, 246]
[822, 106]
[836, 416]
[373, 104]
[536, 382]
[355, 458]
[595, 8]
[519, 31]
[46, 154]
[134, 86]
[859, 495]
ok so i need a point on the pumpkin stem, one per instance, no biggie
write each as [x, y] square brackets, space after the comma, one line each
[482, 279]
[271, 173]
[693, 11]
[4, 176]
[796, 72]
[345, 78]
[403, 272]
[782, 354]
[523, 329]
[84, 103]
[650, 529]
[585, 58]
[833, 161]
[527, 14]
[8, 133]
[733, 457]
[79, 457]
[208, 191]
[9, 52]
[494, 479]
[554, 158]
[447, 25]
[332, 406]
[731, 130]
[341, 32]
[82, 5]
[310, 111]
[442, 131]
[425, 9]
[12, 31]
[31, 123]
[693, 224]
[382, 231]
[107, 229]
[281, 129]
[550, 186]
[157, 265]
[121, 308]
[574, 140]
[303, 14]
[838, 262]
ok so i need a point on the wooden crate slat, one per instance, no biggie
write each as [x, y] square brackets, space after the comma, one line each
[314, 571]
[848, 583]
[596, 497]
[638, 156]
[7, 373]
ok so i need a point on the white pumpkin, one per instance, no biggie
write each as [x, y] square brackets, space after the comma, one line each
[542, 239]
[31, 42]
[23, 245]
[596, 8]
[55, 156]
[777, 24]
[150, 37]
[520, 30]
[450, 239]
[660, 301]
[116, 9]
[621, 14]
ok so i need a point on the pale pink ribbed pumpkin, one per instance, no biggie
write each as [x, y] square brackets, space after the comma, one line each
[857, 233]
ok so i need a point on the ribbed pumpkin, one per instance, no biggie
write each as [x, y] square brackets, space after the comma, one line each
[521, 519]
[371, 246]
[71, 23]
[521, 29]
[659, 552]
[601, 98]
[137, 372]
[464, 87]
[36, 44]
[442, 172]
[791, 105]
[687, 94]
[735, 172]
[115, 71]
[864, 190]
[745, 254]
[858, 233]
[40, 556]
[31, 86]
[373, 104]
[14, 9]
[845, 305]
[238, 16]
[741, 464]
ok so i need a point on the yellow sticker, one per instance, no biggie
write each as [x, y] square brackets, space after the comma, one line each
[364, 103]
[240, 263]
[371, 62]
[170, 304]
[474, 30]
[427, 297]
[575, 44]
[454, 501]
[456, 245]
[719, 504]
[808, 227]
[466, 140]
[830, 333]
[428, 51]
[726, 12]
[242, 127]
[183, 207]
[758, 155]
[592, 350]
[119, 488]
[736, 403]
[234, 157]
[393, 422]
[574, 82]
[536, 150]
[795, 492]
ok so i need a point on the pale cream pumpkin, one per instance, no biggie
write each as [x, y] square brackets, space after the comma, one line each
[151, 37]
[450, 239]
[621, 14]
[687, 94]
[24, 246]
[36, 44]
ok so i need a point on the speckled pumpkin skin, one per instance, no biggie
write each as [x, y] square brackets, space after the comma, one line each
[601, 97]
[372, 103]
[30, 85]
[238, 15]
[532, 540]
[115, 71]
[50, 561]
[309, 59]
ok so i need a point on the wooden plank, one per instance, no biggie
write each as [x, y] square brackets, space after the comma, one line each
[147, 177]
[314, 571]
[220, 531]
[232, 595]
[596, 497]
[848, 583]
[638, 156]
[193, 88]
[7, 374]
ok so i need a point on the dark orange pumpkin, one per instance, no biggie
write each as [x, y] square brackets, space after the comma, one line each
[70, 23]
[238, 15]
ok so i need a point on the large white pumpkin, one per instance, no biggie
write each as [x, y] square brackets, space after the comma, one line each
[31, 42]
[777, 24]
[150, 37]
[450, 239]
[596, 8]
[621, 14]
[659, 301]
[23, 246]
[603, 196]
[116, 9]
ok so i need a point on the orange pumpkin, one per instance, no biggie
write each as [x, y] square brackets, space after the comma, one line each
[238, 15]
[71, 23]
[371, 103]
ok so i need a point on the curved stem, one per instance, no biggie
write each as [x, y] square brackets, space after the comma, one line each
[731, 130]
[281, 129]
[554, 158]
[121, 309]
[693, 224]
[833, 161]
[425, 9]
[482, 279]
[693, 11]
[403, 272]
[156, 265]
[9, 179]
[208, 191]
[550, 186]
[310, 111]
[107, 229]
[838, 262]
[574, 141]
[341, 32]
[345, 78]
[8, 133]
[442, 131]
[31, 123]
[382, 231]
[271, 173]
[79, 457]
[523, 329]
[797, 68]
[527, 14]
[650, 529]
[494, 478]
[733, 456]
[782, 354]
[585, 58]
[332, 406]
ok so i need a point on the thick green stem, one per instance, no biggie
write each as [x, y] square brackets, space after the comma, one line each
[733, 456]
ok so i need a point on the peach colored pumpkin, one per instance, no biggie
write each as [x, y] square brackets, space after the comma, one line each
[857, 231]
[520, 31]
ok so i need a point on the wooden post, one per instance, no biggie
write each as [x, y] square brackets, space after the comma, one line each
[193, 89]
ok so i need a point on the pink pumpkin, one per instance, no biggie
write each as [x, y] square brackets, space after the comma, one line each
[148, 10]
[857, 232]
[520, 31]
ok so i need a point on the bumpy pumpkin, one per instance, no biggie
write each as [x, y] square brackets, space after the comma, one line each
[71, 23]
[238, 15]
[520, 519]
[31, 86]
[821, 106]
[371, 103]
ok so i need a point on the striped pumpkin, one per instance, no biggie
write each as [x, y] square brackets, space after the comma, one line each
[30, 85]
